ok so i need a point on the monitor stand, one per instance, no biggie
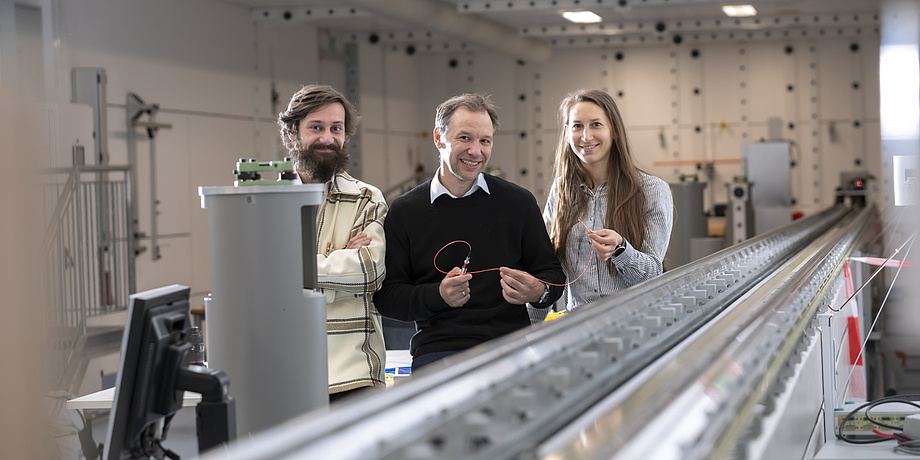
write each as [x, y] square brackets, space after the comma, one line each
[215, 421]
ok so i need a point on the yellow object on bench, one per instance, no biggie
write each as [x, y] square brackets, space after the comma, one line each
[555, 315]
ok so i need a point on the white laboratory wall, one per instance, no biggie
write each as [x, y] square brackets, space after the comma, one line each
[391, 125]
[481, 77]
[692, 103]
[212, 67]
[683, 105]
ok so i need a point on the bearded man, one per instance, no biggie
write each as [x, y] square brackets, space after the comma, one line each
[316, 128]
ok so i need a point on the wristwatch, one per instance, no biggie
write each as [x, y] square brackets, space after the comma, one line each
[545, 296]
[620, 248]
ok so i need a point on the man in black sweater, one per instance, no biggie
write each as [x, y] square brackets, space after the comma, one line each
[464, 215]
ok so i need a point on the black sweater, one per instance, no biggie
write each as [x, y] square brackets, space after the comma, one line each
[504, 228]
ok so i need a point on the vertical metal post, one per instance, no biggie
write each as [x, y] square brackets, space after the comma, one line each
[80, 256]
[136, 107]
[828, 372]
[154, 202]
[88, 87]
[352, 92]
[130, 222]
[132, 101]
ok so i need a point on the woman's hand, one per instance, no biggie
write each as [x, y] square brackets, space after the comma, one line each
[604, 241]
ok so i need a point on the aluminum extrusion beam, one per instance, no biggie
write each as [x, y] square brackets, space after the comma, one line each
[515, 397]
[711, 386]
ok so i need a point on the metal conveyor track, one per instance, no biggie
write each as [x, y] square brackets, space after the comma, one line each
[586, 385]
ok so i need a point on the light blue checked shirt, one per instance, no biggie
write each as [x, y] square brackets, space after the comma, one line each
[634, 265]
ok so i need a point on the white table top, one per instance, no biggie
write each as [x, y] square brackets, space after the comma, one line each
[842, 450]
[103, 399]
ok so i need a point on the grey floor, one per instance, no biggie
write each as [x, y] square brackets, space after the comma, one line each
[180, 438]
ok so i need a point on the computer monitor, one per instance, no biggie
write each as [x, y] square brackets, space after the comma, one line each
[153, 375]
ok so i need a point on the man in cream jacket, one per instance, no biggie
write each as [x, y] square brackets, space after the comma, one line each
[316, 128]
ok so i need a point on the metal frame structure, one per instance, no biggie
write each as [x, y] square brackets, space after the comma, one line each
[89, 263]
[704, 347]
[135, 108]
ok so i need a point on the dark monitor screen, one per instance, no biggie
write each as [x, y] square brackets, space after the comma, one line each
[153, 342]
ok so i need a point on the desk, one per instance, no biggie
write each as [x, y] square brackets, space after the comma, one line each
[103, 399]
[842, 450]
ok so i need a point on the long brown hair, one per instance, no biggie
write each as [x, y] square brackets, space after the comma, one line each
[625, 200]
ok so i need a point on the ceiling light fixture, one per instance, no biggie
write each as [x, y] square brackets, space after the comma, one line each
[739, 11]
[581, 17]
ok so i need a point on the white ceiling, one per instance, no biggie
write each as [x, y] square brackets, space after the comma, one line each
[647, 20]
[534, 13]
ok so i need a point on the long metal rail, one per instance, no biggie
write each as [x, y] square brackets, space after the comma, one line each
[717, 383]
[585, 386]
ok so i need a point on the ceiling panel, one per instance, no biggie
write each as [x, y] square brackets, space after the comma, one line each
[535, 13]
[539, 21]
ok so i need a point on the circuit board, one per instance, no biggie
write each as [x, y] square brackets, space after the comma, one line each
[860, 424]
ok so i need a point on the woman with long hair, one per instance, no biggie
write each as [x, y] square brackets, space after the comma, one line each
[603, 212]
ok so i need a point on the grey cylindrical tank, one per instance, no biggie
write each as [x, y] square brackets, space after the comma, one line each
[265, 330]
[689, 222]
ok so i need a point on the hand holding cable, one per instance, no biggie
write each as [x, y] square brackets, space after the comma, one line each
[604, 242]
[455, 288]
[466, 261]
[519, 287]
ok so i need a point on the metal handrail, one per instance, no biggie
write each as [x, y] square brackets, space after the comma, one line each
[88, 249]
[54, 222]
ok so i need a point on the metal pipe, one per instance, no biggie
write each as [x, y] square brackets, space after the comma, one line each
[154, 202]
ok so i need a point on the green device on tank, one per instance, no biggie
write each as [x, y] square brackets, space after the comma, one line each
[249, 172]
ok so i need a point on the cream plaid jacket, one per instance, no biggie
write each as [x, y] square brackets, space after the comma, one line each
[349, 278]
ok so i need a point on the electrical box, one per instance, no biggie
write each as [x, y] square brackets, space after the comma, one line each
[905, 180]
[767, 167]
[739, 216]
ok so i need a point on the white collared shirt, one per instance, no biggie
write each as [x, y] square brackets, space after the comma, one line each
[438, 189]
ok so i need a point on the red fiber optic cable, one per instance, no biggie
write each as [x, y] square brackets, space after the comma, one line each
[497, 268]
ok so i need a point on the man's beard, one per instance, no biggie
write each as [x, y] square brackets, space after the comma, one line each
[320, 167]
